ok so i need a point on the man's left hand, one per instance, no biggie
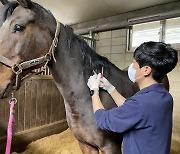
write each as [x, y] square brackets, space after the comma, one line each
[94, 81]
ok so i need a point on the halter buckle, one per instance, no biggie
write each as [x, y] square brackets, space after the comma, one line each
[13, 99]
[17, 69]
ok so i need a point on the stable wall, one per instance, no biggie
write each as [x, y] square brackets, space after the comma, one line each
[112, 44]
[39, 112]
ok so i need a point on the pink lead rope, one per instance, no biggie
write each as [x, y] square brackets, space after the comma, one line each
[12, 102]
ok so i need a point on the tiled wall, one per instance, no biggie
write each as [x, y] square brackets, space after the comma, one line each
[112, 44]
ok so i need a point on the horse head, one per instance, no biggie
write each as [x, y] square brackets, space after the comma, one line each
[24, 35]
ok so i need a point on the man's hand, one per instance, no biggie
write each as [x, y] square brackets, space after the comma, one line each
[106, 85]
[94, 81]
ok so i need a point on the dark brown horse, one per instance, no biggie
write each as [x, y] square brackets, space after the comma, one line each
[27, 31]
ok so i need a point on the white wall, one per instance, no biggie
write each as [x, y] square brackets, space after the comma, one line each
[112, 44]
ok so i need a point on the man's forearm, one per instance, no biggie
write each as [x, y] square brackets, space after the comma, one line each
[96, 102]
[117, 97]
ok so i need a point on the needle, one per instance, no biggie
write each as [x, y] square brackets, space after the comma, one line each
[94, 72]
[102, 72]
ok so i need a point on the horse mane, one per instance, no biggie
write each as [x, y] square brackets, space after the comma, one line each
[91, 61]
[42, 11]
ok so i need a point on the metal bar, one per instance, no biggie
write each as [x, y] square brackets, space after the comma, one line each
[87, 38]
[163, 30]
[126, 25]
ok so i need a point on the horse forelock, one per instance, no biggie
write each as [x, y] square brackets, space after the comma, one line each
[8, 10]
[10, 7]
[91, 61]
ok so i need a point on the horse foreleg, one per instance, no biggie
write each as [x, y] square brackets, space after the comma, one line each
[88, 149]
[111, 150]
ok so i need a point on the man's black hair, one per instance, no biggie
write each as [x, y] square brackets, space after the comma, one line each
[161, 57]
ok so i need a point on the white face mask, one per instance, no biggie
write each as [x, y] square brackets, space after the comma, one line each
[131, 73]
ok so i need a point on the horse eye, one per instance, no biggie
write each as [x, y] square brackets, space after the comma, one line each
[18, 28]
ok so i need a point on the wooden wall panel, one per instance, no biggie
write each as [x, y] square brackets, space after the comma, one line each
[2, 114]
[27, 104]
[34, 95]
[39, 105]
[20, 110]
[48, 105]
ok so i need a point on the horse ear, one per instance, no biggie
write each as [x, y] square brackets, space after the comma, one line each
[4, 2]
[25, 3]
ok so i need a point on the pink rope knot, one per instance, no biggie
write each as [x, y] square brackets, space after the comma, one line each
[12, 102]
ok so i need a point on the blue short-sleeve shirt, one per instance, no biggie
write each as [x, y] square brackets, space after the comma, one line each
[145, 119]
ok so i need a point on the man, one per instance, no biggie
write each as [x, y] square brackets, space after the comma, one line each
[145, 119]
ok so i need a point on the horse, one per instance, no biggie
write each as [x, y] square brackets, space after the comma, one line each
[31, 37]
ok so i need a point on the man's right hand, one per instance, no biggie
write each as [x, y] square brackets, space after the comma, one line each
[106, 85]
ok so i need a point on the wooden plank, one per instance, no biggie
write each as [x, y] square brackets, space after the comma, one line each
[33, 106]
[43, 101]
[2, 118]
[6, 109]
[48, 105]
[22, 139]
[39, 105]
[21, 106]
[52, 105]
[27, 105]
[20, 111]
[6, 114]
[15, 124]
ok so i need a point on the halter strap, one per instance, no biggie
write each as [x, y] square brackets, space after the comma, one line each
[6, 61]
[18, 68]
[55, 41]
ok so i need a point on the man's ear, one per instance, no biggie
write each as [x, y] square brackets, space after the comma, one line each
[147, 70]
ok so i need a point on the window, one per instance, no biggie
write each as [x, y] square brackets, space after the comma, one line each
[166, 30]
[145, 32]
[172, 31]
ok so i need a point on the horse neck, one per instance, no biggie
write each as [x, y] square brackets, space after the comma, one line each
[67, 71]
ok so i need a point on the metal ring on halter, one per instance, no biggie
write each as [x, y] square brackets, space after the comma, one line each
[48, 56]
[16, 69]
[13, 100]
